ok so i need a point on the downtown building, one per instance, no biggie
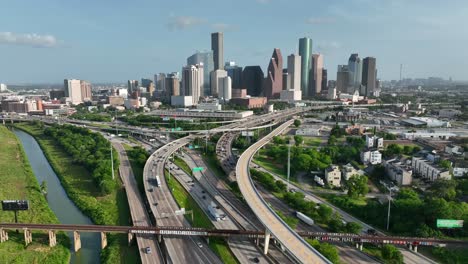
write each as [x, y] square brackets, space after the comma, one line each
[252, 80]
[77, 91]
[192, 82]
[292, 80]
[315, 79]
[205, 58]
[274, 80]
[235, 72]
[369, 77]
[217, 46]
[342, 79]
[355, 72]
[305, 51]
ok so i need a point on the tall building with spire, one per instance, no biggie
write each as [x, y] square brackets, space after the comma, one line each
[317, 68]
[217, 46]
[274, 79]
[305, 51]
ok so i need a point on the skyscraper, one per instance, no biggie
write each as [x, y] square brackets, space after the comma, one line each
[132, 86]
[216, 78]
[72, 88]
[342, 79]
[160, 81]
[317, 67]
[252, 80]
[217, 46]
[294, 72]
[355, 70]
[286, 80]
[205, 57]
[274, 80]
[324, 79]
[192, 82]
[225, 89]
[172, 85]
[369, 76]
[235, 72]
[85, 91]
[305, 51]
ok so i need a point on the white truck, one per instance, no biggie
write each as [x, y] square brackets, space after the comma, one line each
[305, 218]
[158, 181]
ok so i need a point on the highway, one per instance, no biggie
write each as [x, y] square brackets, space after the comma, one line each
[138, 211]
[297, 246]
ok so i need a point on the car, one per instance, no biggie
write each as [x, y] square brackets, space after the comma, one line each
[199, 244]
[204, 197]
[150, 190]
[203, 191]
[371, 232]
[148, 250]
[255, 260]
[155, 204]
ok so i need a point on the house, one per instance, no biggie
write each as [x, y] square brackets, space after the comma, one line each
[453, 149]
[398, 171]
[460, 168]
[428, 170]
[371, 157]
[333, 176]
[374, 142]
[348, 170]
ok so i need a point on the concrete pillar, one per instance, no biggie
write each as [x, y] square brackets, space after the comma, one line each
[357, 245]
[159, 238]
[208, 240]
[27, 236]
[257, 241]
[52, 238]
[415, 248]
[103, 240]
[3, 234]
[76, 241]
[267, 242]
[360, 246]
[130, 238]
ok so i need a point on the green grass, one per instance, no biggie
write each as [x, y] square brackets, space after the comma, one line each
[200, 219]
[215, 167]
[19, 182]
[183, 165]
[137, 170]
[111, 209]
[269, 164]
[291, 221]
[312, 141]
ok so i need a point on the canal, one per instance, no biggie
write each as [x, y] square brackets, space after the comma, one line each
[63, 207]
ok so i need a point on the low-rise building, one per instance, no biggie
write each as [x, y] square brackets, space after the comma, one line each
[453, 150]
[348, 170]
[460, 168]
[309, 131]
[116, 100]
[449, 113]
[374, 142]
[398, 171]
[250, 102]
[428, 134]
[291, 95]
[333, 176]
[428, 170]
[210, 106]
[371, 157]
[180, 100]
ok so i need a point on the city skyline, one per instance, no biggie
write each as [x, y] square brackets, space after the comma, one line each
[96, 47]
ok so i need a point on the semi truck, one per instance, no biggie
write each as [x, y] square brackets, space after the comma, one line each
[158, 181]
[305, 218]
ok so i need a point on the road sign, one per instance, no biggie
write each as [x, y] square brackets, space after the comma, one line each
[196, 146]
[15, 205]
[178, 129]
[247, 133]
[190, 147]
[449, 223]
[166, 119]
[197, 169]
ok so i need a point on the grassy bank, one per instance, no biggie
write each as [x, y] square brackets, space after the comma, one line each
[200, 219]
[19, 182]
[111, 209]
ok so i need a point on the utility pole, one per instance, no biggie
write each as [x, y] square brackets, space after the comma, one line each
[289, 162]
[389, 202]
[112, 160]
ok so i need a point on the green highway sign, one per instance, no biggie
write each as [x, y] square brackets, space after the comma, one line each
[178, 129]
[190, 147]
[449, 223]
[196, 146]
[197, 169]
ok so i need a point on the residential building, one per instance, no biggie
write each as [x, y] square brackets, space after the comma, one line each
[252, 80]
[72, 88]
[235, 72]
[355, 71]
[86, 89]
[294, 72]
[192, 82]
[205, 58]
[305, 51]
[342, 79]
[317, 68]
[217, 81]
[274, 80]
[428, 170]
[398, 171]
[348, 170]
[369, 76]
[333, 176]
[217, 46]
[371, 157]
[374, 142]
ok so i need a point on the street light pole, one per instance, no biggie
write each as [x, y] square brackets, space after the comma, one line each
[389, 202]
[112, 160]
[289, 162]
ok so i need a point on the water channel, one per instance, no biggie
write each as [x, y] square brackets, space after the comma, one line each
[63, 207]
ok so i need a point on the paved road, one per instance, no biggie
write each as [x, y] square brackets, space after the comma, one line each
[137, 208]
[297, 246]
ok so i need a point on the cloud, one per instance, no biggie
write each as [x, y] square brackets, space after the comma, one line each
[320, 20]
[263, 1]
[224, 27]
[326, 47]
[184, 22]
[31, 39]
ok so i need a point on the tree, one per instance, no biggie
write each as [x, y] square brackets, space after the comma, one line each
[445, 164]
[327, 250]
[392, 254]
[353, 227]
[297, 123]
[357, 186]
[444, 189]
[302, 162]
[298, 140]
[325, 212]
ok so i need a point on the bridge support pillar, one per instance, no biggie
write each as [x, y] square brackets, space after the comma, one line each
[159, 238]
[130, 238]
[52, 238]
[3, 234]
[360, 246]
[27, 236]
[415, 248]
[76, 241]
[103, 240]
[267, 241]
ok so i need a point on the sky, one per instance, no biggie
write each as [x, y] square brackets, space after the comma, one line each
[115, 40]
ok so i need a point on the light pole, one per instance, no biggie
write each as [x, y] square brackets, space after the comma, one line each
[289, 162]
[389, 202]
[112, 160]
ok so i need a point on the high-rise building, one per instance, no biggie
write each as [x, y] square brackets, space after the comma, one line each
[3, 87]
[216, 79]
[85, 91]
[160, 81]
[132, 86]
[286, 80]
[305, 51]
[205, 57]
[369, 76]
[252, 80]
[192, 82]
[72, 88]
[274, 80]
[149, 85]
[294, 72]
[342, 79]
[172, 86]
[355, 70]
[217, 46]
[324, 79]
[317, 68]
[225, 89]
[235, 72]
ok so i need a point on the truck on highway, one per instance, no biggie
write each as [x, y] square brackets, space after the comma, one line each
[152, 140]
[158, 181]
[305, 218]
